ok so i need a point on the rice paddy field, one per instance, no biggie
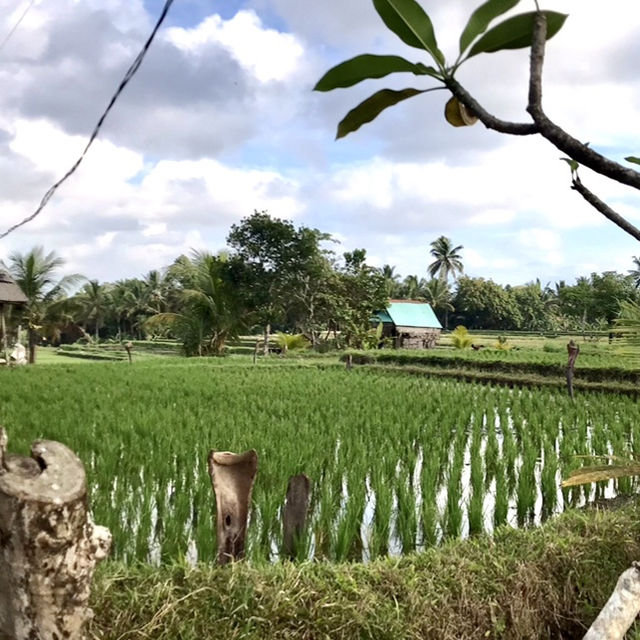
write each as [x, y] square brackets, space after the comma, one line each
[397, 463]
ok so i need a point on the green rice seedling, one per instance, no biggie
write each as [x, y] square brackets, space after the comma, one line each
[406, 522]
[492, 452]
[501, 507]
[548, 481]
[379, 543]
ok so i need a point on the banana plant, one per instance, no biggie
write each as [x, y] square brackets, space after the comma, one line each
[410, 22]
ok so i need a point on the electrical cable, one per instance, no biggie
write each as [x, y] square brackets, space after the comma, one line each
[135, 65]
[16, 25]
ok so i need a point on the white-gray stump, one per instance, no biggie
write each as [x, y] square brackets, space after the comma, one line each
[49, 546]
[232, 477]
[621, 609]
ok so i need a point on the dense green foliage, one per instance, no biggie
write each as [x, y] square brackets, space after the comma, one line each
[397, 463]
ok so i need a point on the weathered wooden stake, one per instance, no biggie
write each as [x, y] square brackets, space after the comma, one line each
[295, 513]
[573, 349]
[621, 609]
[49, 546]
[232, 477]
[349, 363]
[127, 347]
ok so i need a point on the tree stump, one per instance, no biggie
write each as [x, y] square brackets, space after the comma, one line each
[49, 546]
[232, 477]
[295, 514]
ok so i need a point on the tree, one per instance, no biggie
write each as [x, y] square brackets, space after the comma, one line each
[483, 304]
[212, 312]
[635, 272]
[447, 259]
[359, 290]
[438, 295]
[94, 302]
[391, 280]
[35, 273]
[273, 263]
[408, 20]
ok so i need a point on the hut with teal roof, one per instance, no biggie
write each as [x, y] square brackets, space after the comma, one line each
[411, 324]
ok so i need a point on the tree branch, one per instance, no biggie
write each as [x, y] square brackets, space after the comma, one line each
[487, 119]
[605, 209]
[553, 133]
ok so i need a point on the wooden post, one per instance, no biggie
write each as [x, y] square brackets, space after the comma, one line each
[295, 513]
[621, 609]
[5, 344]
[255, 351]
[232, 477]
[573, 349]
[49, 546]
[128, 346]
[349, 362]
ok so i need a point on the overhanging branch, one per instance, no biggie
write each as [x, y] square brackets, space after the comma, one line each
[605, 209]
[552, 132]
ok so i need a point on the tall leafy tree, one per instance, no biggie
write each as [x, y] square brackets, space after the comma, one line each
[272, 261]
[448, 260]
[36, 272]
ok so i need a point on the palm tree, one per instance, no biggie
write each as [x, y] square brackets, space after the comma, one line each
[94, 300]
[390, 280]
[636, 272]
[448, 260]
[411, 288]
[438, 295]
[35, 273]
[212, 310]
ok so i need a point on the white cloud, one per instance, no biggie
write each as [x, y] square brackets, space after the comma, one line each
[267, 53]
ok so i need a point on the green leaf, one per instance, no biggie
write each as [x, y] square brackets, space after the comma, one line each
[516, 32]
[481, 17]
[408, 20]
[370, 108]
[367, 66]
[633, 159]
[572, 163]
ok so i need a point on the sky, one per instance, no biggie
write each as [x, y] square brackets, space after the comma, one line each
[221, 120]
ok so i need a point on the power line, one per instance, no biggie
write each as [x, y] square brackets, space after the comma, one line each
[16, 25]
[125, 81]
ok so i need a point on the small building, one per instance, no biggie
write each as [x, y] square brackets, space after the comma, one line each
[411, 324]
[10, 295]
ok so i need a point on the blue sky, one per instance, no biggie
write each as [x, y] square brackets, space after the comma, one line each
[221, 120]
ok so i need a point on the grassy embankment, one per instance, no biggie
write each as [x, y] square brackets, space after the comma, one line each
[548, 582]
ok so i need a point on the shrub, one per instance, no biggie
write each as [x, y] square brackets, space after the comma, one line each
[460, 338]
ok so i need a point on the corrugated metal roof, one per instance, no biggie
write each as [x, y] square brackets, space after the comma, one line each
[381, 316]
[409, 313]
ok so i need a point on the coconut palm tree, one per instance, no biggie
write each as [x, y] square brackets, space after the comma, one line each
[35, 273]
[635, 272]
[212, 311]
[94, 301]
[438, 295]
[412, 288]
[391, 282]
[448, 260]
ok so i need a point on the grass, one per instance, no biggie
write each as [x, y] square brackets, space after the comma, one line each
[548, 582]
